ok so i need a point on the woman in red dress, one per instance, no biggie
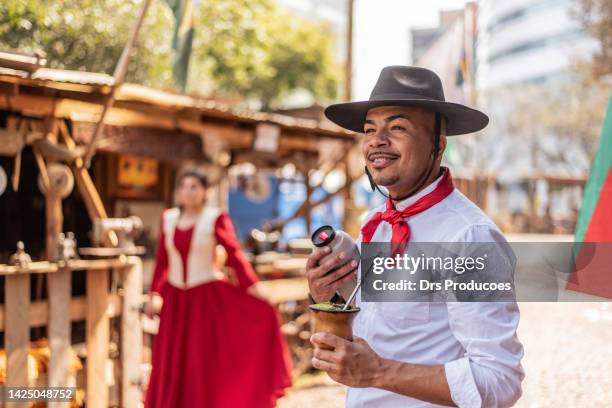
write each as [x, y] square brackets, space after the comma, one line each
[217, 345]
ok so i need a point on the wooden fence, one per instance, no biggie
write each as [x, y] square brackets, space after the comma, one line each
[18, 315]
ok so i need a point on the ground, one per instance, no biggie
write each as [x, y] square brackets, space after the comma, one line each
[568, 360]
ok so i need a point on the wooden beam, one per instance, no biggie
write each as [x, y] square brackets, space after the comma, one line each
[307, 207]
[131, 333]
[300, 212]
[97, 336]
[54, 219]
[86, 186]
[293, 141]
[235, 136]
[17, 331]
[60, 86]
[348, 73]
[39, 311]
[350, 221]
[304, 209]
[284, 290]
[58, 289]
[58, 331]
[147, 142]
[52, 267]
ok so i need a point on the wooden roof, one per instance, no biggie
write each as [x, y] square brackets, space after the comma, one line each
[79, 96]
[97, 84]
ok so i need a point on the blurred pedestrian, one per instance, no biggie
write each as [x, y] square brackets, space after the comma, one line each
[218, 345]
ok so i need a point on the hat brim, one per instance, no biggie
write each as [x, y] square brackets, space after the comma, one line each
[460, 119]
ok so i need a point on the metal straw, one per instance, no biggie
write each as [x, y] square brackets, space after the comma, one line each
[357, 286]
[350, 299]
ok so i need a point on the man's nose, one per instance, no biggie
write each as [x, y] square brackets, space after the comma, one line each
[380, 139]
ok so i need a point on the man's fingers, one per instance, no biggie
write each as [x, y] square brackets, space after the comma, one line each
[323, 365]
[327, 339]
[349, 278]
[316, 255]
[339, 273]
[332, 263]
[325, 355]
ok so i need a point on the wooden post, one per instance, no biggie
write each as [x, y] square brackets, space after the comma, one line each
[131, 333]
[58, 284]
[308, 209]
[97, 326]
[223, 188]
[348, 77]
[17, 331]
[350, 222]
[59, 288]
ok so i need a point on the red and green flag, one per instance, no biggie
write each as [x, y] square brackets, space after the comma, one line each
[594, 228]
[184, 29]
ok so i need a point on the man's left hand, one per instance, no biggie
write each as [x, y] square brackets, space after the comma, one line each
[352, 363]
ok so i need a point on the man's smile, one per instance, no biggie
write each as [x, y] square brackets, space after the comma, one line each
[381, 159]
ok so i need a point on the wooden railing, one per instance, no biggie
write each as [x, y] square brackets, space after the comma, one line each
[18, 315]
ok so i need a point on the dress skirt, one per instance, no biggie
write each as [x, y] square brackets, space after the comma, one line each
[217, 346]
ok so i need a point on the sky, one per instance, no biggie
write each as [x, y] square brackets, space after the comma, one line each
[381, 35]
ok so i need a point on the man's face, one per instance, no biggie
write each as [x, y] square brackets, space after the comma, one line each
[398, 145]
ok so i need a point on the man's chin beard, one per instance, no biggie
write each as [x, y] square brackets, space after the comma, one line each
[386, 181]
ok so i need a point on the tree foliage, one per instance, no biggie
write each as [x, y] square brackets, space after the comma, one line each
[257, 50]
[596, 18]
[246, 47]
[89, 35]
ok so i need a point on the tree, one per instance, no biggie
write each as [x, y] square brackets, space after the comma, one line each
[256, 50]
[596, 18]
[245, 47]
[89, 35]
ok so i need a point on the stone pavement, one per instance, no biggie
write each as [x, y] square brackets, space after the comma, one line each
[568, 360]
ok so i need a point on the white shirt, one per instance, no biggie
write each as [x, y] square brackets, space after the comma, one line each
[475, 341]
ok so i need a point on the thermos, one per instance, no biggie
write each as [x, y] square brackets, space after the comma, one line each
[339, 241]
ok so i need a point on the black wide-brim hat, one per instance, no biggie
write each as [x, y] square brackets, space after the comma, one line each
[409, 86]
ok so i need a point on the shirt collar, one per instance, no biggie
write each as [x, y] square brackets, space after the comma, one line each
[400, 205]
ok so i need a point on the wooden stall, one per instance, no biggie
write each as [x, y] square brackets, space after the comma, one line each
[47, 117]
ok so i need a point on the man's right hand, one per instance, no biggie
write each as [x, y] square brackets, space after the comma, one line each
[325, 279]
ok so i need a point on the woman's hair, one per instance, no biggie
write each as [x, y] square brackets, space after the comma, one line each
[200, 177]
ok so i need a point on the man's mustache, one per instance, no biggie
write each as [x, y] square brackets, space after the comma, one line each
[384, 153]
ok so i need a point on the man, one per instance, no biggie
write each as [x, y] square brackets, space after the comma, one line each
[416, 354]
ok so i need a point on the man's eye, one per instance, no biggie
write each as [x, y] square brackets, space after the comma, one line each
[368, 131]
[397, 127]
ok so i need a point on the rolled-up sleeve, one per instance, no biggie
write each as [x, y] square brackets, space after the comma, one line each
[489, 374]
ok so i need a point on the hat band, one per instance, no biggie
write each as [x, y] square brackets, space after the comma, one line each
[404, 96]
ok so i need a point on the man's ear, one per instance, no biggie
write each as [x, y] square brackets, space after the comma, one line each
[442, 145]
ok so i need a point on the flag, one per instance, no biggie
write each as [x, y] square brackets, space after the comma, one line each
[463, 69]
[184, 28]
[594, 227]
[594, 223]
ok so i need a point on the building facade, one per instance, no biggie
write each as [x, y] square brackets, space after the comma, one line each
[528, 41]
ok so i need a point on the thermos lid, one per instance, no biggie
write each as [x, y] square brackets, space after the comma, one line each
[323, 236]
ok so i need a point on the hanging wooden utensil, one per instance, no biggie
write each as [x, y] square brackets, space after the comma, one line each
[23, 132]
[3, 181]
[60, 179]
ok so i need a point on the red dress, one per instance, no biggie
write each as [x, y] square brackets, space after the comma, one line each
[217, 345]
